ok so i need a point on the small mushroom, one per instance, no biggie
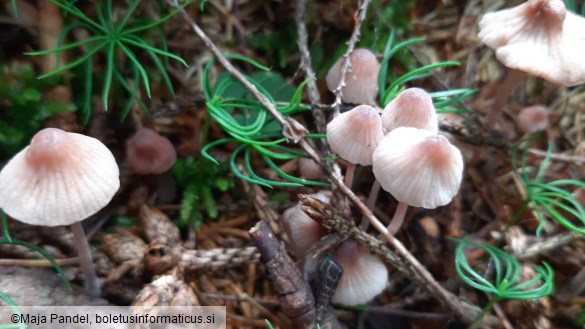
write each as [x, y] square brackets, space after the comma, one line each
[150, 153]
[354, 135]
[303, 231]
[418, 168]
[364, 275]
[309, 169]
[61, 178]
[538, 37]
[411, 108]
[533, 119]
[361, 80]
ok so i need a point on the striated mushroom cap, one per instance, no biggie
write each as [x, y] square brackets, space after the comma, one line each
[539, 37]
[418, 167]
[364, 275]
[59, 179]
[411, 108]
[355, 134]
[361, 80]
[150, 153]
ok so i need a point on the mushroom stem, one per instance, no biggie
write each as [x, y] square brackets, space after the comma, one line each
[398, 218]
[371, 203]
[92, 284]
[373, 195]
[503, 95]
[349, 174]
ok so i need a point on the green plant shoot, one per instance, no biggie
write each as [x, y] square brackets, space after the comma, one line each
[115, 40]
[548, 199]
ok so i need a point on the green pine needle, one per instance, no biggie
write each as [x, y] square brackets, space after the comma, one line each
[113, 38]
[549, 199]
[505, 283]
[247, 123]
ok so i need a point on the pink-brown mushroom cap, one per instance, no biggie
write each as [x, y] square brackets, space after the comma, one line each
[309, 169]
[361, 80]
[418, 167]
[301, 229]
[411, 108]
[539, 37]
[59, 179]
[150, 153]
[532, 119]
[355, 134]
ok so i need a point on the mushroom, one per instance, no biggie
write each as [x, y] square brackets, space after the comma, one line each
[411, 108]
[418, 168]
[303, 231]
[61, 178]
[309, 169]
[539, 37]
[361, 81]
[533, 119]
[364, 275]
[150, 153]
[354, 135]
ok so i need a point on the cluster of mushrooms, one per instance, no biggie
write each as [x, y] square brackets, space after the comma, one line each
[61, 178]
[409, 159]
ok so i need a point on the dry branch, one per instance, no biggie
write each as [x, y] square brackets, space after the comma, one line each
[295, 295]
[312, 91]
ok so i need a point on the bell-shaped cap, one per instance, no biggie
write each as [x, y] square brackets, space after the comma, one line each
[59, 179]
[411, 108]
[301, 229]
[355, 134]
[150, 153]
[533, 118]
[539, 37]
[361, 80]
[418, 167]
[364, 275]
[309, 169]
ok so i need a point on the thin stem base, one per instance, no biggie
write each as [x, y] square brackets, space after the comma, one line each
[92, 283]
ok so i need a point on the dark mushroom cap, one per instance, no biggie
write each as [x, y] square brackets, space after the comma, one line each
[150, 153]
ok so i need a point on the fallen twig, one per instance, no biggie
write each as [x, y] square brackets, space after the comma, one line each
[558, 156]
[295, 295]
[548, 244]
[306, 65]
[218, 258]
